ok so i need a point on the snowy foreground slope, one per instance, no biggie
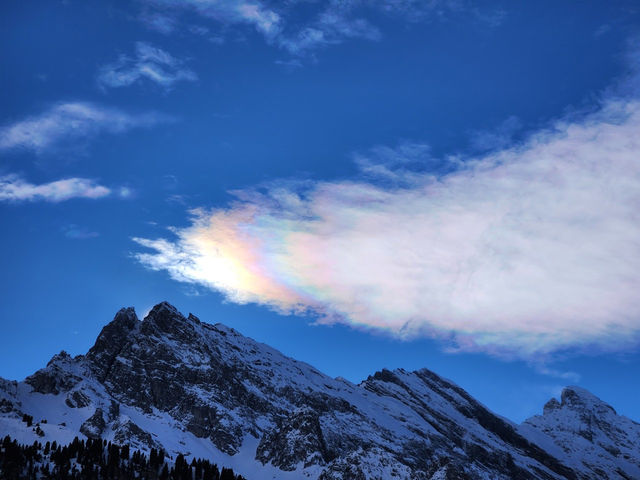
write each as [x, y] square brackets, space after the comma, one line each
[204, 390]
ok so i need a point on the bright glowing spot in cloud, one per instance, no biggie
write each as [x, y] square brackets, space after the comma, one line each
[528, 249]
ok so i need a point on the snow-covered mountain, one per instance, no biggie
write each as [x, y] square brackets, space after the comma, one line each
[588, 435]
[203, 390]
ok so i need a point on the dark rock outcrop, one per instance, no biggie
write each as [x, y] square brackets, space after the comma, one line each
[94, 426]
[55, 377]
[128, 433]
[296, 439]
[112, 339]
[77, 399]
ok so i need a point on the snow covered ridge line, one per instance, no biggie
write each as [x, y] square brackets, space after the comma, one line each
[99, 460]
[200, 390]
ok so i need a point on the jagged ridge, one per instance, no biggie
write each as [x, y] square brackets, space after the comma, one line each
[205, 390]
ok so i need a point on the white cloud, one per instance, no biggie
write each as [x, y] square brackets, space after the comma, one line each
[265, 20]
[15, 189]
[528, 249]
[300, 27]
[331, 27]
[262, 18]
[71, 120]
[151, 63]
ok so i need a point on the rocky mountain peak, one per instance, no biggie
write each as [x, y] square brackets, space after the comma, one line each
[113, 337]
[580, 399]
[587, 433]
[116, 331]
[163, 309]
[164, 318]
[164, 321]
[63, 356]
[125, 317]
[383, 375]
[55, 377]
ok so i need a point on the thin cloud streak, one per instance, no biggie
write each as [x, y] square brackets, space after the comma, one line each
[15, 189]
[68, 121]
[262, 18]
[76, 232]
[151, 63]
[299, 32]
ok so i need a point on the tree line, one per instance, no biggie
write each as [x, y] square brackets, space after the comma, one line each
[97, 459]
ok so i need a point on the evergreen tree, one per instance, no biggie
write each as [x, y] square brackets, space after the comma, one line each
[165, 473]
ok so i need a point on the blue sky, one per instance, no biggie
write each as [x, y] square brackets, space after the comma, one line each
[449, 185]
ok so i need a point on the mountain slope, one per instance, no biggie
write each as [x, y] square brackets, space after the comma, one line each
[205, 390]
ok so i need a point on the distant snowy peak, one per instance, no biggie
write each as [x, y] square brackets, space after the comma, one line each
[588, 434]
[578, 399]
[173, 382]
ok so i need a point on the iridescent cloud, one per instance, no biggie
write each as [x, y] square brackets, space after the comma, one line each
[526, 250]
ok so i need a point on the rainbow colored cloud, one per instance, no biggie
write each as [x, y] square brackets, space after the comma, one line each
[527, 250]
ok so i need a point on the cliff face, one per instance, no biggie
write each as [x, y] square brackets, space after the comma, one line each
[204, 390]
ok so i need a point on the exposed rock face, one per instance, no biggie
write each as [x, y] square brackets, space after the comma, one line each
[185, 386]
[297, 436]
[57, 377]
[588, 435]
[6, 406]
[94, 426]
[167, 363]
[128, 432]
[551, 406]
[114, 410]
[111, 340]
[77, 399]
[8, 392]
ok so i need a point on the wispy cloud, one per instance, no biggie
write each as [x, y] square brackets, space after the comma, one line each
[290, 64]
[330, 28]
[15, 189]
[159, 22]
[68, 121]
[527, 249]
[300, 27]
[76, 232]
[569, 376]
[150, 63]
[254, 13]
